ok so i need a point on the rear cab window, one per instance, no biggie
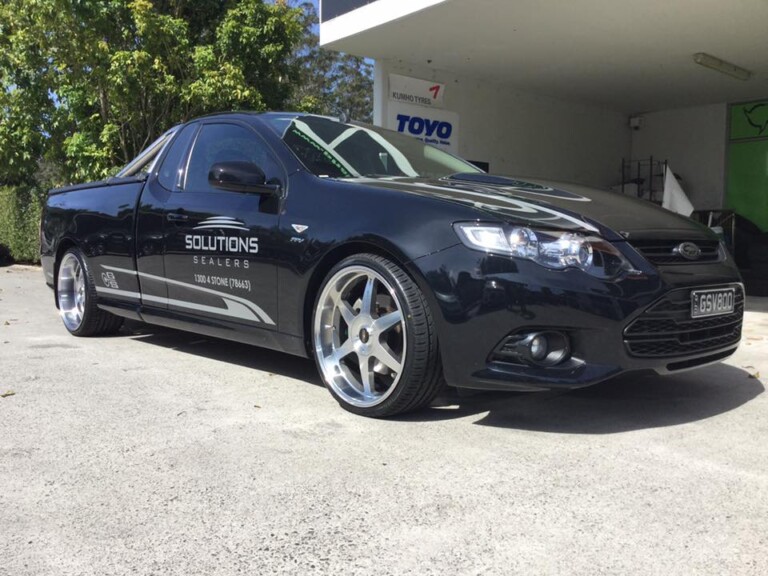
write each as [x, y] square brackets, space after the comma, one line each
[142, 165]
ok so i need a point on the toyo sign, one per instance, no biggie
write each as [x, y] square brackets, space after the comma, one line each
[437, 127]
[418, 126]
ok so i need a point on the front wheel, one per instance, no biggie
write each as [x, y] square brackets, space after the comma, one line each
[374, 339]
[76, 297]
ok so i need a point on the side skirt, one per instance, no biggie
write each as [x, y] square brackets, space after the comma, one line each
[210, 327]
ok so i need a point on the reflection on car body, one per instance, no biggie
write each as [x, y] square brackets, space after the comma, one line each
[398, 267]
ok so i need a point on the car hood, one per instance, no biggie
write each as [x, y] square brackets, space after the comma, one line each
[549, 204]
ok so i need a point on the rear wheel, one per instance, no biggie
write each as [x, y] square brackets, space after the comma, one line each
[76, 295]
[374, 339]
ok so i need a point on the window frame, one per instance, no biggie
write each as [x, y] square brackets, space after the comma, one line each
[195, 125]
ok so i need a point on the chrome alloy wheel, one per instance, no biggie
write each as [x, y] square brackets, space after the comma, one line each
[360, 336]
[71, 292]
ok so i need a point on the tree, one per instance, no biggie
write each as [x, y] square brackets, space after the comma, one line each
[329, 82]
[86, 85]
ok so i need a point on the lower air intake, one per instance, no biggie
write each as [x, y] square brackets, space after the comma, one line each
[666, 329]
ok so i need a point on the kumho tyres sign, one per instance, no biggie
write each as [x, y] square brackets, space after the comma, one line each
[416, 91]
[747, 187]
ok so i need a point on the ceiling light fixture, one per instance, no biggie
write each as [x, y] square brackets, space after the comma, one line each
[709, 61]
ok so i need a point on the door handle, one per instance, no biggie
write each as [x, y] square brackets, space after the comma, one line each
[176, 217]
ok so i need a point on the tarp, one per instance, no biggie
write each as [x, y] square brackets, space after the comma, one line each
[674, 198]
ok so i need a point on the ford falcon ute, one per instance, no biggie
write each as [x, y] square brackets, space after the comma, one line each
[398, 267]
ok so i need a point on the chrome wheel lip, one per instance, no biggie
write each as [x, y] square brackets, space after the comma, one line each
[71, 292]
[364, 332]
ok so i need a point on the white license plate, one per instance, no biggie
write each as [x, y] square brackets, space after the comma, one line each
[712, 302]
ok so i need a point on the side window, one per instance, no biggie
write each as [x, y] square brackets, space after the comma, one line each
[226, 143]
[170, 171]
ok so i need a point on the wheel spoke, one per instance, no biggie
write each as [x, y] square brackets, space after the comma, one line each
[346, 311]
[387, 321]
[351, 379]
[368, 299]
[384, 355]
[338, 354]
[366, 376]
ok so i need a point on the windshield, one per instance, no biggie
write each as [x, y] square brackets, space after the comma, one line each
[332, 149]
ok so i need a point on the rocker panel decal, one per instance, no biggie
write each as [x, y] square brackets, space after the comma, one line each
[235, 306]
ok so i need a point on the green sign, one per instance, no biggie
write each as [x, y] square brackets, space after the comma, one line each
[749, 120]
[748, 162]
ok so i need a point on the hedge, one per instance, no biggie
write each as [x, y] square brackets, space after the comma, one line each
[20, 209]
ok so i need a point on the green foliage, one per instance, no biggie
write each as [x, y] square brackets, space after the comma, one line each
[85, 85]
[20, 209]
[88, 84]
[330, 83]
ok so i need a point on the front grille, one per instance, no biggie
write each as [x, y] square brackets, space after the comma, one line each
[666, 329]
[663, 251]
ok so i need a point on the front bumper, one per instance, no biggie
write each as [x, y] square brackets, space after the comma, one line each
[479, 300]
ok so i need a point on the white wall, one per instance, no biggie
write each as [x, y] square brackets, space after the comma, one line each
[693, 141]
[522, 134]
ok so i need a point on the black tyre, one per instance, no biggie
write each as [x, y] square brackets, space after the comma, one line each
[374, 340]
[76, 296]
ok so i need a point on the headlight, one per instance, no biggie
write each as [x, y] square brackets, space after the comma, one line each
[552, 249]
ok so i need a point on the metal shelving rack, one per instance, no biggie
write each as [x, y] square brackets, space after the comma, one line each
[647, 174]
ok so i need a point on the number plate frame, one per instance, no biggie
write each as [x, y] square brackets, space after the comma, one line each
[729, 295]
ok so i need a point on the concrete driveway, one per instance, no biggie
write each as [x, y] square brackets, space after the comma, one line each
[162, 452]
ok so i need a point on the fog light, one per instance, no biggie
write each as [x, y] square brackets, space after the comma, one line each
[543, 348]
[538, 347]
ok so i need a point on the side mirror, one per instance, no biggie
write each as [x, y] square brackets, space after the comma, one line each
[240, 177]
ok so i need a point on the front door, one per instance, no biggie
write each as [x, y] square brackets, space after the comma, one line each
[220, 245]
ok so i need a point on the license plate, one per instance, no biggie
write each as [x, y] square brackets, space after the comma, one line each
[712, 302]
